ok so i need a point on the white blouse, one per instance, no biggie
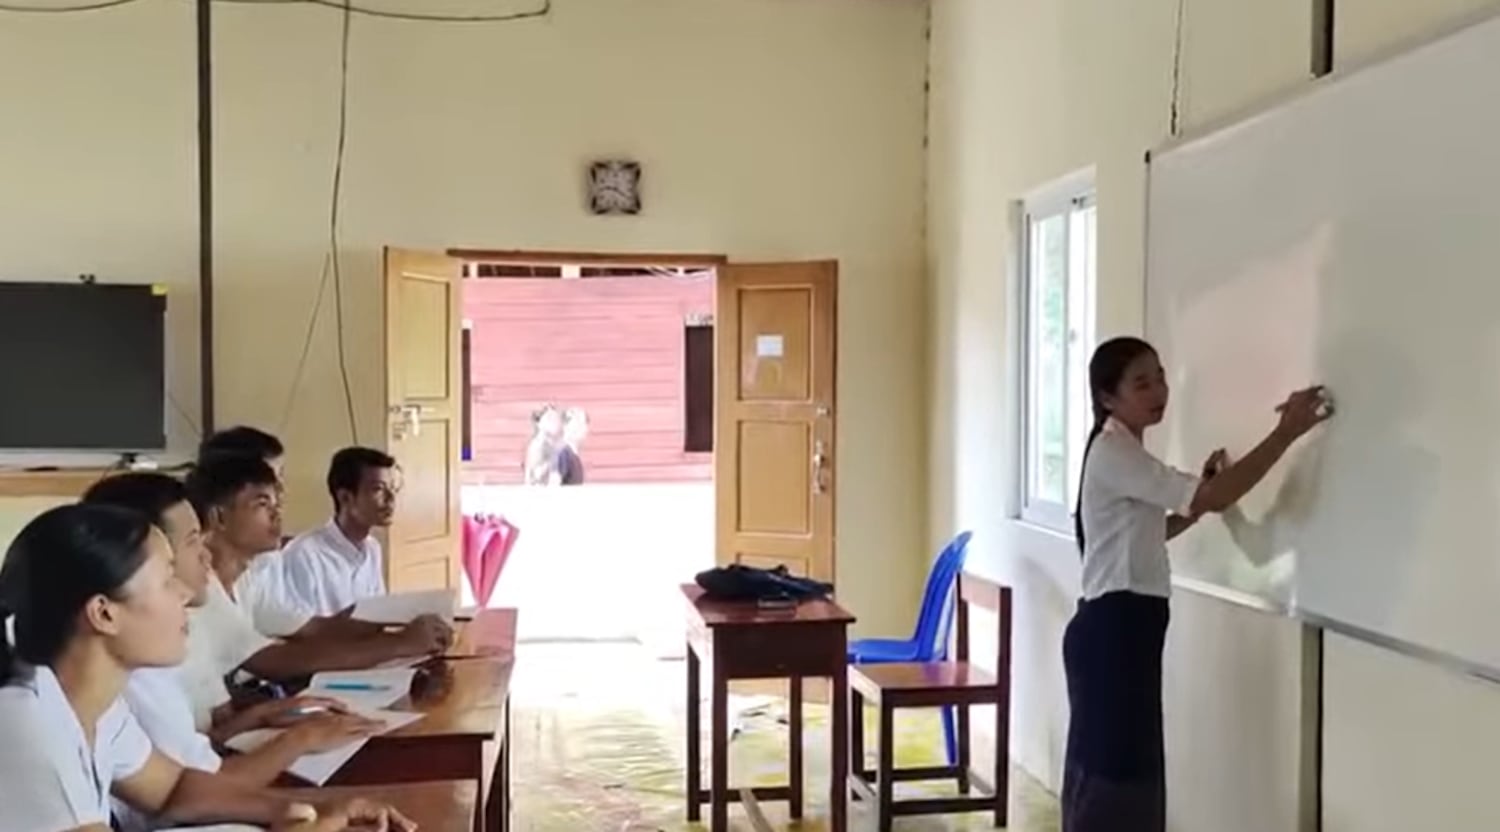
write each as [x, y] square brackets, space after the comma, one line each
[50, 777]
[1127, 494]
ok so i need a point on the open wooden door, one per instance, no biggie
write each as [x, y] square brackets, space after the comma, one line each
[424, 412]
[774, 423]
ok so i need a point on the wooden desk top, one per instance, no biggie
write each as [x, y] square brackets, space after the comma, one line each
[716, 613]
[458, 699]
[436, 807]
[489, 634]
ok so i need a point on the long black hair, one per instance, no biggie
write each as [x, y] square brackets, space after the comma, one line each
[1106, 370]
[60, 560]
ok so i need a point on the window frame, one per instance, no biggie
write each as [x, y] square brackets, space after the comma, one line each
[1066, 197]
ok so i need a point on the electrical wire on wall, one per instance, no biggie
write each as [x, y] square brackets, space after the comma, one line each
[332, 271]
[420, 17]
[1174, 122]
[81, 7]
[347, 22]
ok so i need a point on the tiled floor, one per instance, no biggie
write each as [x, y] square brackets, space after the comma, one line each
[598, 747]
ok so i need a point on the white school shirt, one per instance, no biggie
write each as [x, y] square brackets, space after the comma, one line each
[158, 699]
[160, 705]
[50, 779]
[1127, 494]
[261, 592]
[220, 638]
[326, 572]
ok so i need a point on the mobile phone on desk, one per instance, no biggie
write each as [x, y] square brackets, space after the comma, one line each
[780, 603]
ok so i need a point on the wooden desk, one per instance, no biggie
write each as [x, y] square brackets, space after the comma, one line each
[436, 807]
[743, 641]
[487, 634]
[466, 704]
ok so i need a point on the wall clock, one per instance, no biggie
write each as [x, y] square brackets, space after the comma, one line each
[615, 187]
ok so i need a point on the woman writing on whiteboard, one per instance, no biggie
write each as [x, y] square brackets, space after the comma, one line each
[1129, 506]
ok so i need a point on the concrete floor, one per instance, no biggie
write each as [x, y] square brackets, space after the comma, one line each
[598, 731]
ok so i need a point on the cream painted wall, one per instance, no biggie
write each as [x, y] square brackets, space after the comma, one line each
[98, 164]
[768, 129]
[1024, 93]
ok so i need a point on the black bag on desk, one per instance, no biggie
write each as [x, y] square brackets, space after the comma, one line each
[747, 583]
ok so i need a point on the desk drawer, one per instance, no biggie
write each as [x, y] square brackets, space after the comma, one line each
[776, 651]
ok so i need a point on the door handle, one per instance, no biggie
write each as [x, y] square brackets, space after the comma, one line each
[408, 421]
[819, 462]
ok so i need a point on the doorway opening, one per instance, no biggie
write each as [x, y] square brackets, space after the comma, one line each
[588, 430]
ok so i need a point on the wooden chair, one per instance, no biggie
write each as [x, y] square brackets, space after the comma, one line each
[890, 687]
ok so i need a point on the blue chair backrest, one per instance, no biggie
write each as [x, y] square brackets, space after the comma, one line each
[935, 620]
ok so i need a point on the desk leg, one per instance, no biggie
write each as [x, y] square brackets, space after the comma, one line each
[496, 808]
[838, 798]
[694, 738]
[794, 723]
[506, 807]
[719, 753]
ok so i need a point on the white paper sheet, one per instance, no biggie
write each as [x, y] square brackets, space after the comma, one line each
[405, 606]
[364, 690]
[318, 768]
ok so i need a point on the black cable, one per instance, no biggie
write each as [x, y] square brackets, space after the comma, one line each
[307, 342]
[84, 7]
[1174, 121]
[333, 217]
[350, 8]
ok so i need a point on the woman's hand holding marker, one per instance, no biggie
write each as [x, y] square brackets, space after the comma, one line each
[1304, 410]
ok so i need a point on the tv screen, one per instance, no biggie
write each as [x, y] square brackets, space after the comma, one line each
[82, 367]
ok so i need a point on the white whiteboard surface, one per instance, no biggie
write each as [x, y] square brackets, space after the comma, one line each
[1351, 237]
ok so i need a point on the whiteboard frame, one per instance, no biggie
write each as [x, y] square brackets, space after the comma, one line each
[1442, 659]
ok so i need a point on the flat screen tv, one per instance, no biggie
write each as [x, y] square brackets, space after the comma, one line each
[82, 367]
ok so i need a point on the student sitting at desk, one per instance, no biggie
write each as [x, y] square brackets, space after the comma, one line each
[156, 696]
[246, 441]
[332, 568]
[239, 497]
[88, 595]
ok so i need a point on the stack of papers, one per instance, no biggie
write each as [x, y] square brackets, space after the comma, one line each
[364, 690]
[318, 768]
[401, 608]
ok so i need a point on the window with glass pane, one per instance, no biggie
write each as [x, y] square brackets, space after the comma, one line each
[1059, 279]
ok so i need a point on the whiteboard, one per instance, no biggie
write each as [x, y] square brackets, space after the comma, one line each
[1351, 237]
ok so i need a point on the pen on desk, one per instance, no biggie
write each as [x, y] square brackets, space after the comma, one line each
[354, 686]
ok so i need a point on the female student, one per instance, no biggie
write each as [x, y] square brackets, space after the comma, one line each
[1129, 506]
[88, 595]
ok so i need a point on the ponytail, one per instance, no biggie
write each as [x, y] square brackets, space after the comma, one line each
[1100, 415]
[7, 652]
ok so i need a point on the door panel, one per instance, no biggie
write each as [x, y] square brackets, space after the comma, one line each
[424, 389]
[775, 415]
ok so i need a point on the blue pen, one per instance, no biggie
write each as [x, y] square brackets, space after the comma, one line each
[354, 686]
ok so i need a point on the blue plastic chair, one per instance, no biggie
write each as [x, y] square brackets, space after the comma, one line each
[929, 643]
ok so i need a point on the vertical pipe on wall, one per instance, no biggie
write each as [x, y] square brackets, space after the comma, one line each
[1322, 37]
[205, 213]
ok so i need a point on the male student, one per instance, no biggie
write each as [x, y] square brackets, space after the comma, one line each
[240, 500]
[246, 441]
[332, 568]
[156, 696]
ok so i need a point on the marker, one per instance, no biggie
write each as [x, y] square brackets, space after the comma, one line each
[309, 710]
[354, 686]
